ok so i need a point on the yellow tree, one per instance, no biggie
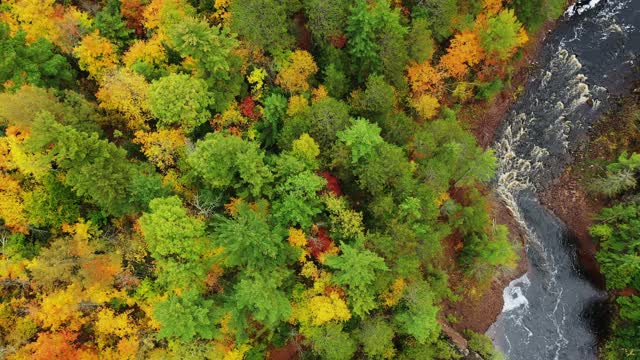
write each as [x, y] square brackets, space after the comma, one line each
[295, 73]
[11, 205]
[162, 148]
[149, 51]
[125, 92]
[60, 309]
[111, 329]
[38, 18]
[96, 55]
[426, 106]
[463, 53]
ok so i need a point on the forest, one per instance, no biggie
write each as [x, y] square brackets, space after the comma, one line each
[221, 179]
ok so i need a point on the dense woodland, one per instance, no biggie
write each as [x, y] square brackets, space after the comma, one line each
[612, 176]
[218, 179]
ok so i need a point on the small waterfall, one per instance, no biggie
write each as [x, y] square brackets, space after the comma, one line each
[543, 313]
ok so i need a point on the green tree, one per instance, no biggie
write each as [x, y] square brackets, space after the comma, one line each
[446, 153]
[180, 99]
[326, 18]
[250, 241]
[20, 108]
[418, 316]
[421, 44]
[481, 344]
[264, 23]
[620, 177]
[37, 63]
[95, 169]
[259, 295]
[378, 98]
[362, 138]
[535, 12]
[501, 35]
[176, 241]
[211, 49]
[335, 80]
[111, 24]
[357, 269]
[225, 162]
[619, 245]
[186, 317]
[331, 342]
[273, 114]
[297, 201]
[376, 40]
[326, 118]
[376, 336]
[440, 14]
[51, 204]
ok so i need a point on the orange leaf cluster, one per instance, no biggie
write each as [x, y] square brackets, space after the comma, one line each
[96, 55]
[463, 53]
[424, 78]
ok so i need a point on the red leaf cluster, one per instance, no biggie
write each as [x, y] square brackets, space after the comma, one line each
[248, 108]
[320, 243]
[333, 185]
[338, 41]
[132, 11]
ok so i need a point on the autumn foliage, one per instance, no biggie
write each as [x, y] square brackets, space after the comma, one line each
[179, 179]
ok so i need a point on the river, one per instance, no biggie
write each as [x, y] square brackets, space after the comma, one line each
[552, 311]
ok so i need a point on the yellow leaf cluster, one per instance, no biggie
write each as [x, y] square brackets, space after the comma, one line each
[492, 7]
[36, 18]
[14, 269]
[319, 305]
[221, 14]
[423, 77]
[152, 13]
[297, 238]
[256, 79]
[125, 92]
[127, 349]
[11, 205]
[426, 106]
[294, 75]
[310, 270]
[463, 91]
[28, 164]
[394, 294]
[319, 93]
[150, 51]
[163, 147]
[237, 353]
[5, 154]
[61, 309]
[523, 37]
[442, 198]
[298, 104]
[324, 309]
[96, 54]
[230, 118]
[463, 53]
[108, 325]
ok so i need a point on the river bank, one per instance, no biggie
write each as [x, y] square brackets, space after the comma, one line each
[477, 310]
[568, 197]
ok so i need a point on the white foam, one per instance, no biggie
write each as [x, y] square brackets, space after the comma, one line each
[580, 10]
[513, 294]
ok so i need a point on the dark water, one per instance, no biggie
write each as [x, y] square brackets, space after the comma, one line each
[553, 311]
